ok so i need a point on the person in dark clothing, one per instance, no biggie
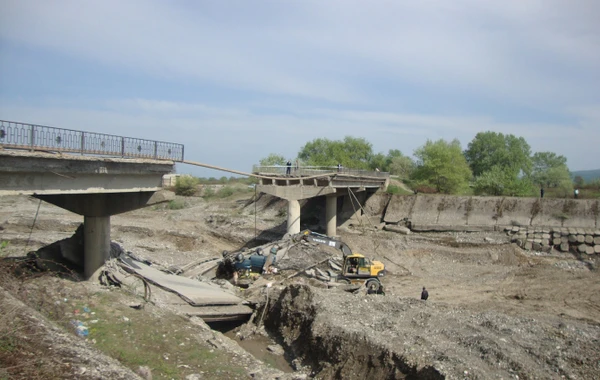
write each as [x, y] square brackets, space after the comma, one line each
[424, 294]
[288, 170]
[542, 192]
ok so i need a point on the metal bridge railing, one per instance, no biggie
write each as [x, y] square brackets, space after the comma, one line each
[307, 171]
[39, 137]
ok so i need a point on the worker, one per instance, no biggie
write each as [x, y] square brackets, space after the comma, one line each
[288, 170]
[424, 294]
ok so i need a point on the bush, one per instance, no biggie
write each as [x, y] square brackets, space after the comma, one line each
[225, 192]
[176, 204]
[186, 185]
[208, 192]
[393, 189]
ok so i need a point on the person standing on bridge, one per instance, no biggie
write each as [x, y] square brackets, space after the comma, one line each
[288, 170]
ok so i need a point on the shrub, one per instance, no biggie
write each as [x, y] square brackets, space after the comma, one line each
[393, 189]
[176, 204]
[186, 185]
[225, 192]
[208, 192]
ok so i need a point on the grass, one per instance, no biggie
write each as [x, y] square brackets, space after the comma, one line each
[165, 342]
[176, 204]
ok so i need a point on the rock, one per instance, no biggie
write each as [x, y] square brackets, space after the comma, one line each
[399, 229]
[145, 372]
[276, 349]
[194, 376]
[597, 248]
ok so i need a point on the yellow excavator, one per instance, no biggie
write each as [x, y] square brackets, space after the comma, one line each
[356, 268]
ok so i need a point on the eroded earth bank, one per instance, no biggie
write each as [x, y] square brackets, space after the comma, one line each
[495, 311]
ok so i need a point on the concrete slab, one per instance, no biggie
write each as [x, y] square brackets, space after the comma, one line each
[483, 210]
[453, 211]
[426, 210]
[515, 211]
[192, 291]
[399, 207]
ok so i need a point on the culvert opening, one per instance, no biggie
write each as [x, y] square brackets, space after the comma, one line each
[318, 342]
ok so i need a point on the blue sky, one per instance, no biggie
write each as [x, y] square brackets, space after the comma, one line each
[237, 80]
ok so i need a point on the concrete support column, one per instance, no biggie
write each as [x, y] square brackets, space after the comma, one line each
[96, 243]
[331, 215]
[293, 221]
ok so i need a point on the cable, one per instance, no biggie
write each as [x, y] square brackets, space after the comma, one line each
[33, 224]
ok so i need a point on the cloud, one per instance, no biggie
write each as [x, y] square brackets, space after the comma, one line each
[238, 80]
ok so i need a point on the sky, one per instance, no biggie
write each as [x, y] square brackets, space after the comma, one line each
[237, 80]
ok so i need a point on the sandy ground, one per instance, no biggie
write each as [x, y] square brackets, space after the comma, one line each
[473, 273]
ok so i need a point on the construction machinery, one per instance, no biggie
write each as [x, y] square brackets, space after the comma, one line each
[356, 268]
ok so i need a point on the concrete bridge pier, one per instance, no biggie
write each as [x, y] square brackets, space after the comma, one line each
[331, 215]
[96, 243]
[96, 209]
[293, 217]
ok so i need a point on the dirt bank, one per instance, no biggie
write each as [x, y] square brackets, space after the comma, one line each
[495, 311]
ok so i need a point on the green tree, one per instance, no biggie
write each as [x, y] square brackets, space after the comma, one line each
[384, 162]
[441, 164]
[352, 152]
[549, 170]
[498, 181]
[402, 166]
[272, 160]
[489, 149]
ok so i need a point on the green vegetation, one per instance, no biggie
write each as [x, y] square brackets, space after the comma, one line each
[273, 159]
[186, 185]
[493, 164]
[442, 165]
[176, 204]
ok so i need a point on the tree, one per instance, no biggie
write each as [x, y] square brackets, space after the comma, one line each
[549, 169]
[273, 159]
[489, 149]
[351, 152]
[498, 181]
[441, 164]
[384, 162]
[402, 166]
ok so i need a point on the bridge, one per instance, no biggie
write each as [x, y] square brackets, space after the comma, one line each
[98, 175]
[331, 183]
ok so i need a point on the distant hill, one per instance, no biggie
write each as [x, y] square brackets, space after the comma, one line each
[587, 175]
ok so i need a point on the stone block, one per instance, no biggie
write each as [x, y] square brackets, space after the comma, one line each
[589, 250]
[589, 239]
[580, 238]
[581, 248]
[564, 247]
[597, 248]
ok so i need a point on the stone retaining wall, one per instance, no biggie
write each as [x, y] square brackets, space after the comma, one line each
[577, 240]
